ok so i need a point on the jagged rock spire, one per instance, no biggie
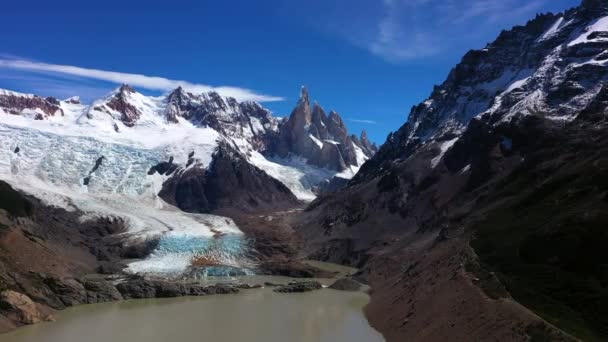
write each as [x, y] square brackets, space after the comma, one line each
[125, 88]
[304, 95]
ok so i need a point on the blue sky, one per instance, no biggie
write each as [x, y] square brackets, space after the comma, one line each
[370, 60]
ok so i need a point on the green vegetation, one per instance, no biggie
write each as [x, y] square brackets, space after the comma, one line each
[549, 247]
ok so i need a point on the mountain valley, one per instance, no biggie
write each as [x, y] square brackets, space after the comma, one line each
[482, 218]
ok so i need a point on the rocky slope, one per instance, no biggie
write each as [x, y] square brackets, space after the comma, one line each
[554, 67]
[29, 105]
[229, 182]
[468, 219]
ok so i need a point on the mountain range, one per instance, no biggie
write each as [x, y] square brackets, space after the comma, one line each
[309, 143]
[483, 217]
[488, 205]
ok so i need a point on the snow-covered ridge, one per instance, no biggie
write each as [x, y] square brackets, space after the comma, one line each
[54, 158]
[180, 118]
[553, 67]
[6, 92]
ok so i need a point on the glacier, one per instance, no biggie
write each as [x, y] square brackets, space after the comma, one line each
[56, 160]
[52, 163]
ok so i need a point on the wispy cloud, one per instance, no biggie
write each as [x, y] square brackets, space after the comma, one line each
[414, 29]
[420, 28]
[136, 80]
[363, 121]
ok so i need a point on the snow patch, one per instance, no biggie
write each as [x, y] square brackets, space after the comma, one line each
[553, 29]
[600, 25]
[316, 141]
[444, 147]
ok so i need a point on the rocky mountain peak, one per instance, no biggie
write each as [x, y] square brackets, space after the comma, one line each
[363, 135]
[125, 89]
[120, 103]
[322, 139]
[73, 100]
[551, 67]
[29, 105]
[304, 95]
[176, 94]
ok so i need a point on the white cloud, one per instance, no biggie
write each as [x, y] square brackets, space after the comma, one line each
[136, 80]
[363, 121]
[411, 29]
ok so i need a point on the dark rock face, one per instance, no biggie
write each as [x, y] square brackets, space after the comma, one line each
[18, 104]
[369, 147]
[299, 286]
[137, 288]
[229, 182]
[510, 150]
[293, 269]
[346, 284]
[98, 163]
[165, 168]
[13, 202]
[529, 70]
[322, 139]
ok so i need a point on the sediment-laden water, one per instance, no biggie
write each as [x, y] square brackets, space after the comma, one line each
[251, 315]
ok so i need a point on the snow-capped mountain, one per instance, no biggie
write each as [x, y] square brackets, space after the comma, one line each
[494, 187]
[553, 67]
[311, 151]
[138, 157]
[321, 138]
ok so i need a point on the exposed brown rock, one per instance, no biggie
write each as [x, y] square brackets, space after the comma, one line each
[120, 103]
[15, 104]
[22, 309]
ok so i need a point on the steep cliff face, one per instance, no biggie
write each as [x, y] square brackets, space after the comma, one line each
[320, 138]
[554, 67]
[230, 182]
[472, 209]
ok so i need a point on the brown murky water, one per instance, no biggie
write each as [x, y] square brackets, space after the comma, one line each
[251, 315]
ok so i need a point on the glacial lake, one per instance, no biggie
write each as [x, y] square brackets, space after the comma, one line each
[251, 315]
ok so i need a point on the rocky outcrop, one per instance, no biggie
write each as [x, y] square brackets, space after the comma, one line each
[322, 139]
[553, 66]
[299, 286]
[120, 103]
[21, 309]
[29, 105]
[229, 182]
[369, 147]
[246, 120]
[346, 284]
[137, 288]
[293, 269]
